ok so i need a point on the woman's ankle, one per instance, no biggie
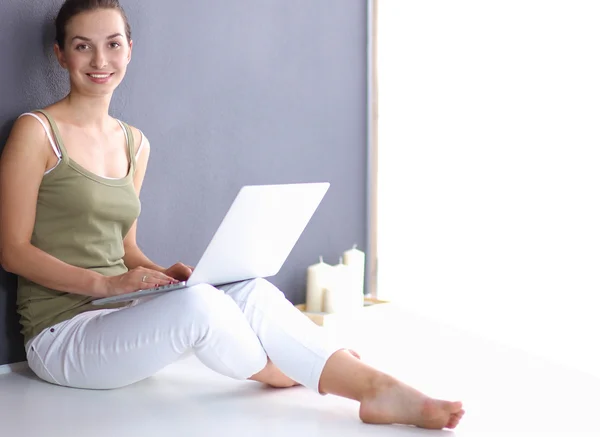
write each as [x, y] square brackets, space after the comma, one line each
[347, 376]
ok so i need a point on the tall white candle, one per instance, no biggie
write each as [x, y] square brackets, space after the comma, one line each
[337, 297]
[317, 277]
[355, 260]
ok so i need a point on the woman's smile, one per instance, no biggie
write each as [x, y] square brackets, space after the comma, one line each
[100, 78]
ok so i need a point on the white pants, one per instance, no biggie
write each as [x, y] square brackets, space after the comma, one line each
[231, 330]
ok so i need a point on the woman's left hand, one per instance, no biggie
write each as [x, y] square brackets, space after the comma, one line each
[179, 271]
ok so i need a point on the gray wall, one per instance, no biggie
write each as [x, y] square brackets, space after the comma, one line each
[229, 92]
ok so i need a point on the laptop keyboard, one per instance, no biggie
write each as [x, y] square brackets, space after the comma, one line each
[168, 286]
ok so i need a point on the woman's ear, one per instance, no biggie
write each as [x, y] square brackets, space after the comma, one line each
[130, 49]
[60, 56]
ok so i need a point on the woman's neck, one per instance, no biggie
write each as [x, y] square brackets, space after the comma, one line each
[88, 111]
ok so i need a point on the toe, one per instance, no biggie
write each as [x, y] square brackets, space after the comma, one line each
[354, 353]
[454, 407]
[454, 419]
[451, 407]
[453, 422]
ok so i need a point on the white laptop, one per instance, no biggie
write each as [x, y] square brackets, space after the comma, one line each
[254, 239]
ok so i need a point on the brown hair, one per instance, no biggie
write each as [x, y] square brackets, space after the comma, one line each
[71, 8]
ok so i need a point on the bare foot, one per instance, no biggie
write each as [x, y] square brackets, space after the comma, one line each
[272, 376]
[280, 380]
[394, 402]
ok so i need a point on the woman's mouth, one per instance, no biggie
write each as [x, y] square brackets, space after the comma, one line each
[100, 77]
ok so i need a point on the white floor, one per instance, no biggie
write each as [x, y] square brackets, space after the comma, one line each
[505, 393]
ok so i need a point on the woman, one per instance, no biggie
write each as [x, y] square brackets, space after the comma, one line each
[70, 180]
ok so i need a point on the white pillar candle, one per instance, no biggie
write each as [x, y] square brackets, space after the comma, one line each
[355, 260]
[317, 277]
[337, 297]
[331, 300]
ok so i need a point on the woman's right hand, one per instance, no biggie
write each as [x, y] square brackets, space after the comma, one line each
[139, 278]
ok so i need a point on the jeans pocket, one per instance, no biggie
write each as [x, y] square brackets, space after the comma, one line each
[38, 354]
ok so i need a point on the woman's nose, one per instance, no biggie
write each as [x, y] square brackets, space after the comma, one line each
[98, 60]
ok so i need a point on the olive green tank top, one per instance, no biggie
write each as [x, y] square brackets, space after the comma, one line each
[81, 219]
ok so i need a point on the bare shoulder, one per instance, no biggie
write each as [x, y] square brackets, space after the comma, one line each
[139, 139]
[28, 126]
[25, 158]
[29, 136]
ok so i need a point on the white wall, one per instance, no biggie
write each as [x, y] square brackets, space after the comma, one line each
[490, 169]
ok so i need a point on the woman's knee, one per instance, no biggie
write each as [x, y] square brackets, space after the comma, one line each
[197, 297]
[201, 302]
[264, 286]
[254, 291]
[227, 343]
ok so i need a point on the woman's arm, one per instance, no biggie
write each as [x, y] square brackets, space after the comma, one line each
[24, 161]
[134, 257]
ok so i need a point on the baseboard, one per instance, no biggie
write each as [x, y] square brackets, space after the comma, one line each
[13, 368]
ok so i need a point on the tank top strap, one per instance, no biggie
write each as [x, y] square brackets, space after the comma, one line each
[130, 145]
[55, 132]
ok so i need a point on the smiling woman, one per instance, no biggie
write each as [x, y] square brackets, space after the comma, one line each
[83, 48]
[70, 180]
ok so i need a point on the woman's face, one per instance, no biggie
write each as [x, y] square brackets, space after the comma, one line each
[96, 51]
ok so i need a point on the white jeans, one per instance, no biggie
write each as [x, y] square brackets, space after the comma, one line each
[231, 330]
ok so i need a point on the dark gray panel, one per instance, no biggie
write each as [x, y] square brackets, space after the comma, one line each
[229, 93]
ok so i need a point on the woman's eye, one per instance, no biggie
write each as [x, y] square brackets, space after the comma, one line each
[81, 47]
[115, 45]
